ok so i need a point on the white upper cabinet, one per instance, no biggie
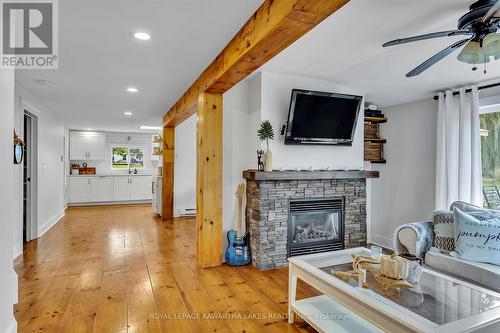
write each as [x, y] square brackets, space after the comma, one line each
[96, 147]
[87, 146]
[78, 146]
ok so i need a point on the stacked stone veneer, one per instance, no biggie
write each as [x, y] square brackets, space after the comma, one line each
[267, 214]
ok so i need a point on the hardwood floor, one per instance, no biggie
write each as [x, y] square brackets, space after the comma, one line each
[119, 269]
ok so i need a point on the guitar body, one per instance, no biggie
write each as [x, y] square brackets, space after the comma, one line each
[238, 249]
[238, 244]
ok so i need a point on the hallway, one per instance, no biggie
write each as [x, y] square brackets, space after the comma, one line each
[119, 269]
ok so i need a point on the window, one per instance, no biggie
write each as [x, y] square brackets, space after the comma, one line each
[490, 158]
[123, 156]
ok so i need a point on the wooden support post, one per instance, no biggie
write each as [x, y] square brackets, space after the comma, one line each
[209, 180]
[167, 205]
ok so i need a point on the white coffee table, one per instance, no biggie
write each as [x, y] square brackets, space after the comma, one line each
[439, 303]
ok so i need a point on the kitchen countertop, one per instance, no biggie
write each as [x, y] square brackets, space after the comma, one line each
[114, 175]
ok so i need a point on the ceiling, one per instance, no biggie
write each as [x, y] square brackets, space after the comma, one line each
[98, 58]
[347, 49]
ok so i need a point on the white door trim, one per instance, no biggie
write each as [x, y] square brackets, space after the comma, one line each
[32, 228]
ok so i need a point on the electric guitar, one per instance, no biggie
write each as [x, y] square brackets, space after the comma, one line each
[238, 249]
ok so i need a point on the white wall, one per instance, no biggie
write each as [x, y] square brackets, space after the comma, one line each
[50, 166]
[266, 96]
[185, 166]
[406, 188]
[8, 200]
[241, 117]
[276, 93]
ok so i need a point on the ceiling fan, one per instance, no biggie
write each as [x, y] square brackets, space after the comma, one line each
[480, 24]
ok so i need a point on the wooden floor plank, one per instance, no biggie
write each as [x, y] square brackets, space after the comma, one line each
[120, 269]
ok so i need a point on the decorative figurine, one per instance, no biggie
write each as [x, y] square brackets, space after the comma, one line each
[260, 164]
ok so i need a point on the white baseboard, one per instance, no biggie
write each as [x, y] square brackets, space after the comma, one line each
[12, 328]
[381, 240]
[18, 250]
[15, 288]
[109, 203]
[50, 223]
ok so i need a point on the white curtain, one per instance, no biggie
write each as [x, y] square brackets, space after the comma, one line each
[458, 153]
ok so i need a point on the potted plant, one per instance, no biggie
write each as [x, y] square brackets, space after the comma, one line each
[266, 133]
[75, 169]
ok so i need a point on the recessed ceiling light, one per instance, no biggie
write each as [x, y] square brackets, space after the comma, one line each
[127, 113]
[142, 35]
[132, 89]
[42, 82]
[143, 127]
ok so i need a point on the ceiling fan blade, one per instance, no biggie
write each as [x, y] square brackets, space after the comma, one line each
[491, 12]
[428, 36]
[437, 57]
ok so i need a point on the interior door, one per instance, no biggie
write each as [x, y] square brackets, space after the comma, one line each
[137, 188]
[121, 188]
[96, 147]
[101, 189]
[78, 146]
[27, 180]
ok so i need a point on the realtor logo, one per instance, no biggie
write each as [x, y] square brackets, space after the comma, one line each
[29, 34]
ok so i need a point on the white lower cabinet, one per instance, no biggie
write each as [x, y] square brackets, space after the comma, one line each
[79, 189]
[138, 188]
[121, 188]
[109, 188]
[101, 189]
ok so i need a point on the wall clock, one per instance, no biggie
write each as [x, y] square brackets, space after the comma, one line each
[18, 149]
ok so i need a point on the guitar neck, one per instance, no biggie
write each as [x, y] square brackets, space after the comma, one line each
[239, 227]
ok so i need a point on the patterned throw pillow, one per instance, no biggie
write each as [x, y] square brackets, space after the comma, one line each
[444, 227]
[477, 240]
[444, 238]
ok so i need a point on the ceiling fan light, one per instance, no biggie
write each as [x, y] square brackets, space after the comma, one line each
[491, 44]
[470, 54]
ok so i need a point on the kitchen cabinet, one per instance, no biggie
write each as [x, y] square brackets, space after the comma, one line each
[130, 188]
[87, 146]
[101, 189]
[95, 189]
[79, 189]
[121, 188]
[137, 188]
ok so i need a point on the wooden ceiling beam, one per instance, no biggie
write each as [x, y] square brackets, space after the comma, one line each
[272, 28]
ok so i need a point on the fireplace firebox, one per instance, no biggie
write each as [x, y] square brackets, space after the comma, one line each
[315, 226]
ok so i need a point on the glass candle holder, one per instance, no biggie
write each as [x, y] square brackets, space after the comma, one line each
[376, 251]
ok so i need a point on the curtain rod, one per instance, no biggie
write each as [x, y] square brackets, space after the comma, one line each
[436, 97]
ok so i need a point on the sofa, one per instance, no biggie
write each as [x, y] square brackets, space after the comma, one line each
[417, 239]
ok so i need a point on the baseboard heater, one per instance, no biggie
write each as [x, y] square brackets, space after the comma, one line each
[188, 212]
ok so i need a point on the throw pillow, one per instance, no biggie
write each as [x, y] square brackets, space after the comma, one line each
[444, 231]
[476, 240]
[444, 226]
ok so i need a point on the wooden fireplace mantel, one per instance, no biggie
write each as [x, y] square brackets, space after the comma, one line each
[255, 175]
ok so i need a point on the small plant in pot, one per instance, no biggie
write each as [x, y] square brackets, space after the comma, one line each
[266, 133]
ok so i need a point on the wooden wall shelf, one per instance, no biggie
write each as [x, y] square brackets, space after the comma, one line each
[376, 120]
[374, 144]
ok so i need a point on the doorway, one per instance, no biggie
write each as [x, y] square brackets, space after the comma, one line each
[29, 177]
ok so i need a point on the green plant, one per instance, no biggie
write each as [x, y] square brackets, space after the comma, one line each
[266, 132]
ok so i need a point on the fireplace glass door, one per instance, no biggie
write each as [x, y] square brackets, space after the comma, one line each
[315, 226]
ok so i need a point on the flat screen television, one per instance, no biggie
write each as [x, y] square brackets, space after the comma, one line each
[322, 118]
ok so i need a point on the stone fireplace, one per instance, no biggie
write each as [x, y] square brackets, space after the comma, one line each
[299, 212]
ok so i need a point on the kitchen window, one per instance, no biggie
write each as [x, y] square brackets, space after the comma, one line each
[123, 157]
